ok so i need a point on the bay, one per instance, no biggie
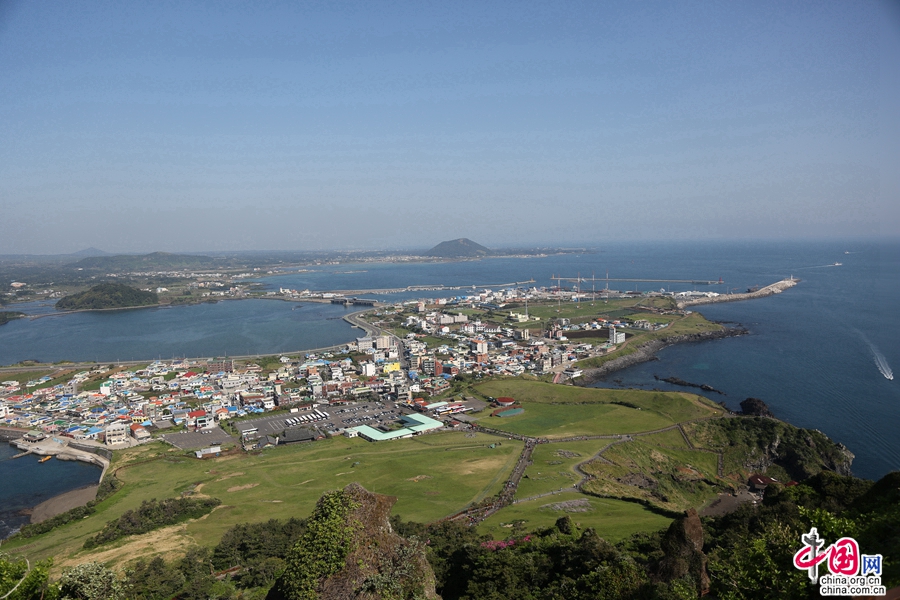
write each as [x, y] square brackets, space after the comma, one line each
[812, 352]
[26, 483]
[225, 328]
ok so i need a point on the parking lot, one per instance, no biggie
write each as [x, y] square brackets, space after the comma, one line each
[194, 440]
[338, 418]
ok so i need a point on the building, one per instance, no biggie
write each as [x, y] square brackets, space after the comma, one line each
[367, 369]
[220, 366]
[759, 482]
[615, 337]
[415, 424]
[117, 433]
[208, 452]
[139, 432]
[479, 346]
[382, 342]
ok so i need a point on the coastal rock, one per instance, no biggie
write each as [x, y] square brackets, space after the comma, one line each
[754, 407]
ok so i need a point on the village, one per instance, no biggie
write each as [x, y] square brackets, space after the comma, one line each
[406, 367]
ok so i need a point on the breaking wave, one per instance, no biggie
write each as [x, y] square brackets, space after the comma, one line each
[880, 361]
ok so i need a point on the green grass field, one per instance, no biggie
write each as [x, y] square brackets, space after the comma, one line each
[562, 421]
[668, 439]
[24, 377]
[558, 411]
[432, 476]
[613, 520]
[552, 465]
[690, 324]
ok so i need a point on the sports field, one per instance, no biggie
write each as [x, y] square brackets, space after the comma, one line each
[432, 476]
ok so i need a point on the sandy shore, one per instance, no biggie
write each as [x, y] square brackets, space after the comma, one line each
[60, 504]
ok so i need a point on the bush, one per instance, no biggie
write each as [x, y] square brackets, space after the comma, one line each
[151, 515]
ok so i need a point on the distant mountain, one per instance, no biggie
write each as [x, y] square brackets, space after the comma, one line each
[157, 261]
[107, 295]
[461, 248]
[90, 252]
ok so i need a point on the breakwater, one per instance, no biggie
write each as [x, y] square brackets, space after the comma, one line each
[775, 288]
[62, 449]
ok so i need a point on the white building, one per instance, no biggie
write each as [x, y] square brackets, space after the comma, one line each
[615, 337]
[117, 433]
[367, 369]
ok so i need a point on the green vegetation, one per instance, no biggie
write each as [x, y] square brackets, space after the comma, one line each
[155, 261]
[613, 520]
[7, 316]
[556, 411]
[668, 479]
[433, 476]
[553, 466]
[461, 248]
[108, 295]
[150, 515]
[18, 583]
[755, 443]
[91, 581]
[553, 551]
[322, 548]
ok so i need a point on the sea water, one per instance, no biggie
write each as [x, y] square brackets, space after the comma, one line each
[25, 483]
[817, 354]
[222, 329]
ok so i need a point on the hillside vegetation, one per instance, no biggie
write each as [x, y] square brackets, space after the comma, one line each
[7, 316]
[108, 295]
[461, 248]
[147, 262]
[343, 551]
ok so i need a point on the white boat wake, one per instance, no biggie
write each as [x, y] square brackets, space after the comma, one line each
[880, 361]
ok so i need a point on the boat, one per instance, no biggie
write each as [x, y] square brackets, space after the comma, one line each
[45, 459]
[838, 265]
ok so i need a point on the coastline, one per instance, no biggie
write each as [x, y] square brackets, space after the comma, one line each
[62, 503]
[647, 352]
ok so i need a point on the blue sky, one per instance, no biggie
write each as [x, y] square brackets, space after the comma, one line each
[176, 126]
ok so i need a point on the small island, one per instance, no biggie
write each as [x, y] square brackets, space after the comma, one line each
[7, 316]
[108, 295]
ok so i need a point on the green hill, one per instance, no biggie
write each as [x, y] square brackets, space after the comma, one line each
[156, 261]
[108, 295]
[7, 316]
[461, 248]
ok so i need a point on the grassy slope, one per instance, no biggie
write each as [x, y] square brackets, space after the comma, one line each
[555, 411]
[286, 482]
[552, 466]
[673, 479]
[457, 470]
[613, 520]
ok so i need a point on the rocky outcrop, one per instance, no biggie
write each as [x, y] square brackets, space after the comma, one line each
[683, 548]
[754, 407]
[351, 551]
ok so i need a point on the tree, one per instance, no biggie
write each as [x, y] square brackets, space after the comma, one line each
[90, 581]
[18, 582]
